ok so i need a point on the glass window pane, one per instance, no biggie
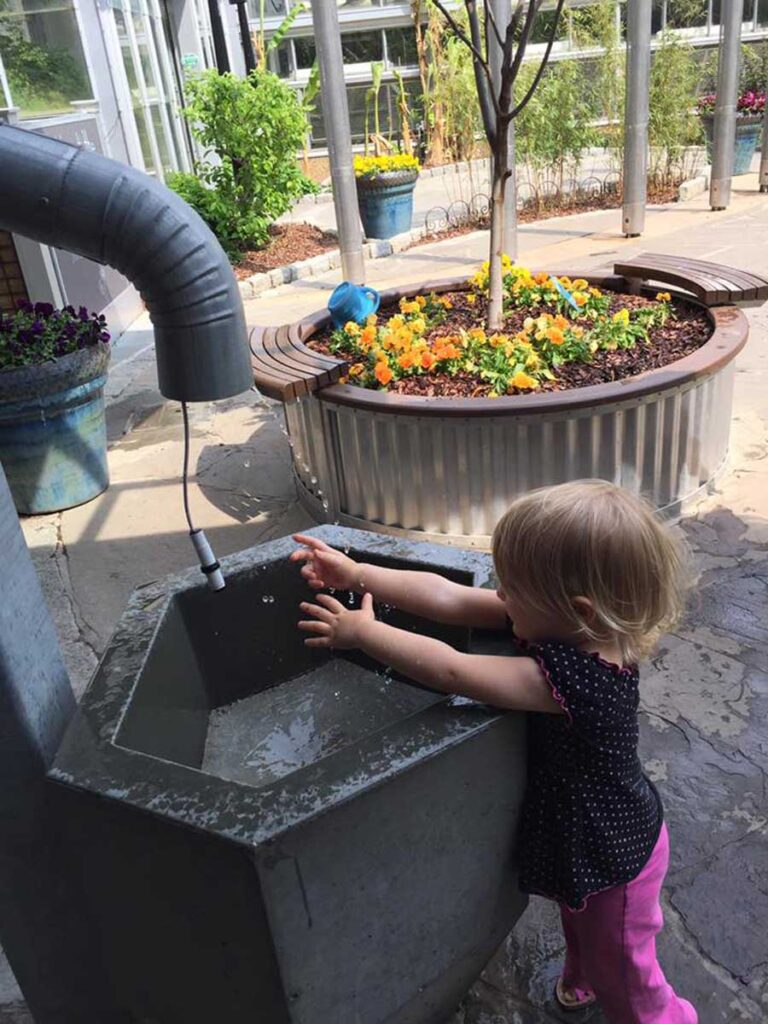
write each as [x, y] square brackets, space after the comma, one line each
[305, 51]
[280, 60]
[362, 47]
[142, 45]
[164, 144]
[687, 13]
[542, 27]
[43, 56]
[762, 12]
[146, 147]
[656, 16]
[401, 46]
[749, 10]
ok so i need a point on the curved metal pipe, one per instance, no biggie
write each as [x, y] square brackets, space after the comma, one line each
[67, 197]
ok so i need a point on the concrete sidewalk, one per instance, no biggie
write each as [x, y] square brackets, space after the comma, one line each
[705, 738]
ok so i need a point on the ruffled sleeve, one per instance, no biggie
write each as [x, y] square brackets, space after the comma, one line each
[597, 698]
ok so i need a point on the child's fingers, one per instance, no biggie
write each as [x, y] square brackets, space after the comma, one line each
[323, 614]
[301, 555]
[313, 626]
[311, 542]
[309, 572]
[330, 603]
[367, 602]
[318, 641]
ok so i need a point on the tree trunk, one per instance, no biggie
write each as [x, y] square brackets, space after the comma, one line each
[495, 283]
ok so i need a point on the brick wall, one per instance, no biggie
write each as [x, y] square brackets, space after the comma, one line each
[12, 286]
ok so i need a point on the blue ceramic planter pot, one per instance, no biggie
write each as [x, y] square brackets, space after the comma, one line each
[747, 141]
[386, 203]
[53, 435]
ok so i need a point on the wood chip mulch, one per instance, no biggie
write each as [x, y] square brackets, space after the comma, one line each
[288, 244]
[559, 206]
[687, 331]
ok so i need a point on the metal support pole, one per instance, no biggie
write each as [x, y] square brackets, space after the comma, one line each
[764, 154]
[636, 116]
[219, 40]
[725, 111]
[325, 19]
[502, 11]
[245, 35]
[44, 928]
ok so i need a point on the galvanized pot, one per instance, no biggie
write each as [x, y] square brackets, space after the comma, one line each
[53, 435]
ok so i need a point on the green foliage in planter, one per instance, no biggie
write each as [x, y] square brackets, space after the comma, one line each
[555, 127]
[40, 333]
[254, 128]
[672, 122]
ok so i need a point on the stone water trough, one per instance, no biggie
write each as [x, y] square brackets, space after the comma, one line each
[273, 833]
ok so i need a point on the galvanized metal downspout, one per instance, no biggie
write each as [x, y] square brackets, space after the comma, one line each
[63, 196]
[59, 195]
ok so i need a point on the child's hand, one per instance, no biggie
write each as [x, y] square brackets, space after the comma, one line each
[333, 625]
[325, 567]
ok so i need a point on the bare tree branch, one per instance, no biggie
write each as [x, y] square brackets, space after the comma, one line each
[459, 31]
[509, 71]
[486, 89]
[489, 107]
[550, 43]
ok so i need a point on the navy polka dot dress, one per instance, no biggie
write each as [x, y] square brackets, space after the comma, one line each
[591, 818]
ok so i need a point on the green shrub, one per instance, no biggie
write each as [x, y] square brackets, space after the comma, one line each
[555, 127]
[672, 122]
[253, 128]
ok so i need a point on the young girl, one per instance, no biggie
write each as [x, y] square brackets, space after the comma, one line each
[588, 580]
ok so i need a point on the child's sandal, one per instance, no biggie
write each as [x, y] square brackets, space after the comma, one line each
[567, 1003]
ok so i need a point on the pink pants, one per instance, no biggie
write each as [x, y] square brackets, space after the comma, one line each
[611, 949]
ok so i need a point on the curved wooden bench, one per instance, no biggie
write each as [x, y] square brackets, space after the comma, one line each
[711, 283]
[284, 368]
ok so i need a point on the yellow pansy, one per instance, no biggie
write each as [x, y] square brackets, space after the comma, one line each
[622, 317]
[523, 381]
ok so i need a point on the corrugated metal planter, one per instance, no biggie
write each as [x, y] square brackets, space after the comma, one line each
[53, 436]
[447, 468]
[386, 203]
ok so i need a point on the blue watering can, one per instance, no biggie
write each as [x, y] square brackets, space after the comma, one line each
[352, 302]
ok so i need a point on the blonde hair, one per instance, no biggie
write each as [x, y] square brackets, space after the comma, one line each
[592, 539]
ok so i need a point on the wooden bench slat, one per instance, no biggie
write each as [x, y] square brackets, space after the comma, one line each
[705, 290]
[711, 283]
[734, 281]
[294, 367]
[752, 285]
[302, 361]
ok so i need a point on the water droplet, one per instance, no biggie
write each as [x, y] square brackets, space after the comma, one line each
[326, 506]
[351, 598]
[268, 598]
[313, 479]
[247, 464]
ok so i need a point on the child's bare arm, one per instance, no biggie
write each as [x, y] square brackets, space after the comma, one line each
[421, 593]
[511, 683]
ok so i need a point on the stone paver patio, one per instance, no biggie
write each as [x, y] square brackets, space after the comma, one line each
[705, 738]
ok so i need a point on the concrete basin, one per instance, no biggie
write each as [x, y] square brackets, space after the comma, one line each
[272, 833]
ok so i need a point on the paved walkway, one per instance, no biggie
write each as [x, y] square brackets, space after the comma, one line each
[705, 738]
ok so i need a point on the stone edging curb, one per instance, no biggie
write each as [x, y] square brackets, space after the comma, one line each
[695, 186]
[374, 249]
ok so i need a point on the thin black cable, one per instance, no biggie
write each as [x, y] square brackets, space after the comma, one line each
[185, 475]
